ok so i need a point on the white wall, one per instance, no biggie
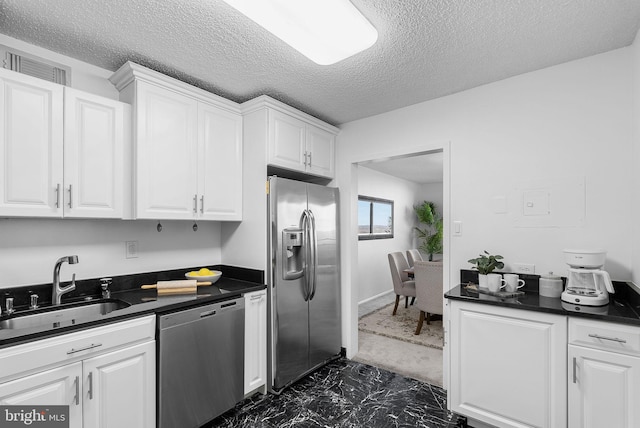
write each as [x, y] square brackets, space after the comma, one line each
[635, 194]
[571, 120]
[373, 265]
[29, 248]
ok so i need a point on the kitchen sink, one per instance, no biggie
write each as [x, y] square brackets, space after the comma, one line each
[63, 315]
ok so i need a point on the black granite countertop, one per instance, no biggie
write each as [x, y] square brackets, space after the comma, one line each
[623, 307]
[234, 283]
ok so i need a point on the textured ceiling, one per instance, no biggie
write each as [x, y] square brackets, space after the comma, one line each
[426, 48]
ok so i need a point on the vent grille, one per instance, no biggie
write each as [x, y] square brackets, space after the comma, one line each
[36, 67]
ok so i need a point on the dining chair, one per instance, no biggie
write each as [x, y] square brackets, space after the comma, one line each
[429, 290]
[402, 285]
[412, 256]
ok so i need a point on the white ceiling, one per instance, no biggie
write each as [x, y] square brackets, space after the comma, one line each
[421, 169]
[426, 48]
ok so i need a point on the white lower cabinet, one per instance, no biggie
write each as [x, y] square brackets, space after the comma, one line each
[119, 388]
[255, 341]
[59, 386]
[508, 366]
[106, 375]
[604, 375]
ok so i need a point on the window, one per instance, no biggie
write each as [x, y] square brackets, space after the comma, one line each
[375, 218]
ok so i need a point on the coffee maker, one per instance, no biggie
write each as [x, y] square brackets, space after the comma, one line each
[587, 283]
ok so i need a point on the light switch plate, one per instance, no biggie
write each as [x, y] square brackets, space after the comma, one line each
[457, 228]
[131, 249]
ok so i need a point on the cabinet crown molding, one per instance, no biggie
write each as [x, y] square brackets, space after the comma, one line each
[265, 101]
[130, 72]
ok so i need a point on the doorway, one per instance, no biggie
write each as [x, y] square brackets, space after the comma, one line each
[384, 340]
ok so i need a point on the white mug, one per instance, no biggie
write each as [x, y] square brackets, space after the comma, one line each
[512, 282]
[494, 281]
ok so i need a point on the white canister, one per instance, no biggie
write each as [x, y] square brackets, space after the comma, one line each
[550, 285]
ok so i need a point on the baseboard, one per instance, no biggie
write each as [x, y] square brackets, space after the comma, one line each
[377, 296]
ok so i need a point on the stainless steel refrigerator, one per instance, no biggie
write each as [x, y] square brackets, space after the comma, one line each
[303, 279]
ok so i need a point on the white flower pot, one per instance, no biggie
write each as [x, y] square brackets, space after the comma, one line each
[482, 281]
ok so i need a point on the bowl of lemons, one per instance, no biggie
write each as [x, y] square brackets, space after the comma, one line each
[204, 275]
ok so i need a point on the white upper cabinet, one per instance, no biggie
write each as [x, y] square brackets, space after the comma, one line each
[320, 151]
[295, 141]
[219, 163]
[166, 153]
[93, 155]
[187, 148]
[286, 141]
[62, 150]
[301, 146]
[30, 146]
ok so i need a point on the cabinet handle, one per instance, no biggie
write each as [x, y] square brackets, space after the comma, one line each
[195, 203]
[93, 345]
[58, 196]
[256, 297]
[90, 385]
[305, 158]
[574, 369]
[202, 204]
[77, 398]
[310, 159]
[70, 193]
[613, 339]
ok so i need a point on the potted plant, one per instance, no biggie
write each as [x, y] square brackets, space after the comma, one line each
[485, 264]
[431, 235]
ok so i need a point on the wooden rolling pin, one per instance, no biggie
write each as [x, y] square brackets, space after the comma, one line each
[153, 286]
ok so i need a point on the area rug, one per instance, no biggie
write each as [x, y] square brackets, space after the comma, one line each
[402, 325]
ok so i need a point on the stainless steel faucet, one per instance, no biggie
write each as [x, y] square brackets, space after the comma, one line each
[57, 291]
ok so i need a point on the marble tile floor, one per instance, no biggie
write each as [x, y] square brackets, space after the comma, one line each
[345, 393]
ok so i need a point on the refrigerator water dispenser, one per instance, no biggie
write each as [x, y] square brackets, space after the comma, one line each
[293, 268]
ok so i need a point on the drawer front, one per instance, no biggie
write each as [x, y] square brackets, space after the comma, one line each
[20, 360]
[605, 335]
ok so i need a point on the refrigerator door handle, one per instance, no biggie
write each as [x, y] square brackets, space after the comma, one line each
[307, 249]
[314, 253]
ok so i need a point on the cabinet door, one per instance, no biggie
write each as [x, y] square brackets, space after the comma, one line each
[219, 163]
[93, 157]
[30, 146]
[120, 388]
[286, 141]
[320, 146]
[508, 366]
[255, 340]
[166, 154]
[604, 389]
[59, 386]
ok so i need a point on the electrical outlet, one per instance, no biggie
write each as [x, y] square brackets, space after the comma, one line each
[529, 269]
[131, 249]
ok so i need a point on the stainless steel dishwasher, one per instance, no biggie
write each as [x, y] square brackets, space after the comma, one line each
[200, 363]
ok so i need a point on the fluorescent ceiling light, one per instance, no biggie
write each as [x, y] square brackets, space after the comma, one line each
[325, 31]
